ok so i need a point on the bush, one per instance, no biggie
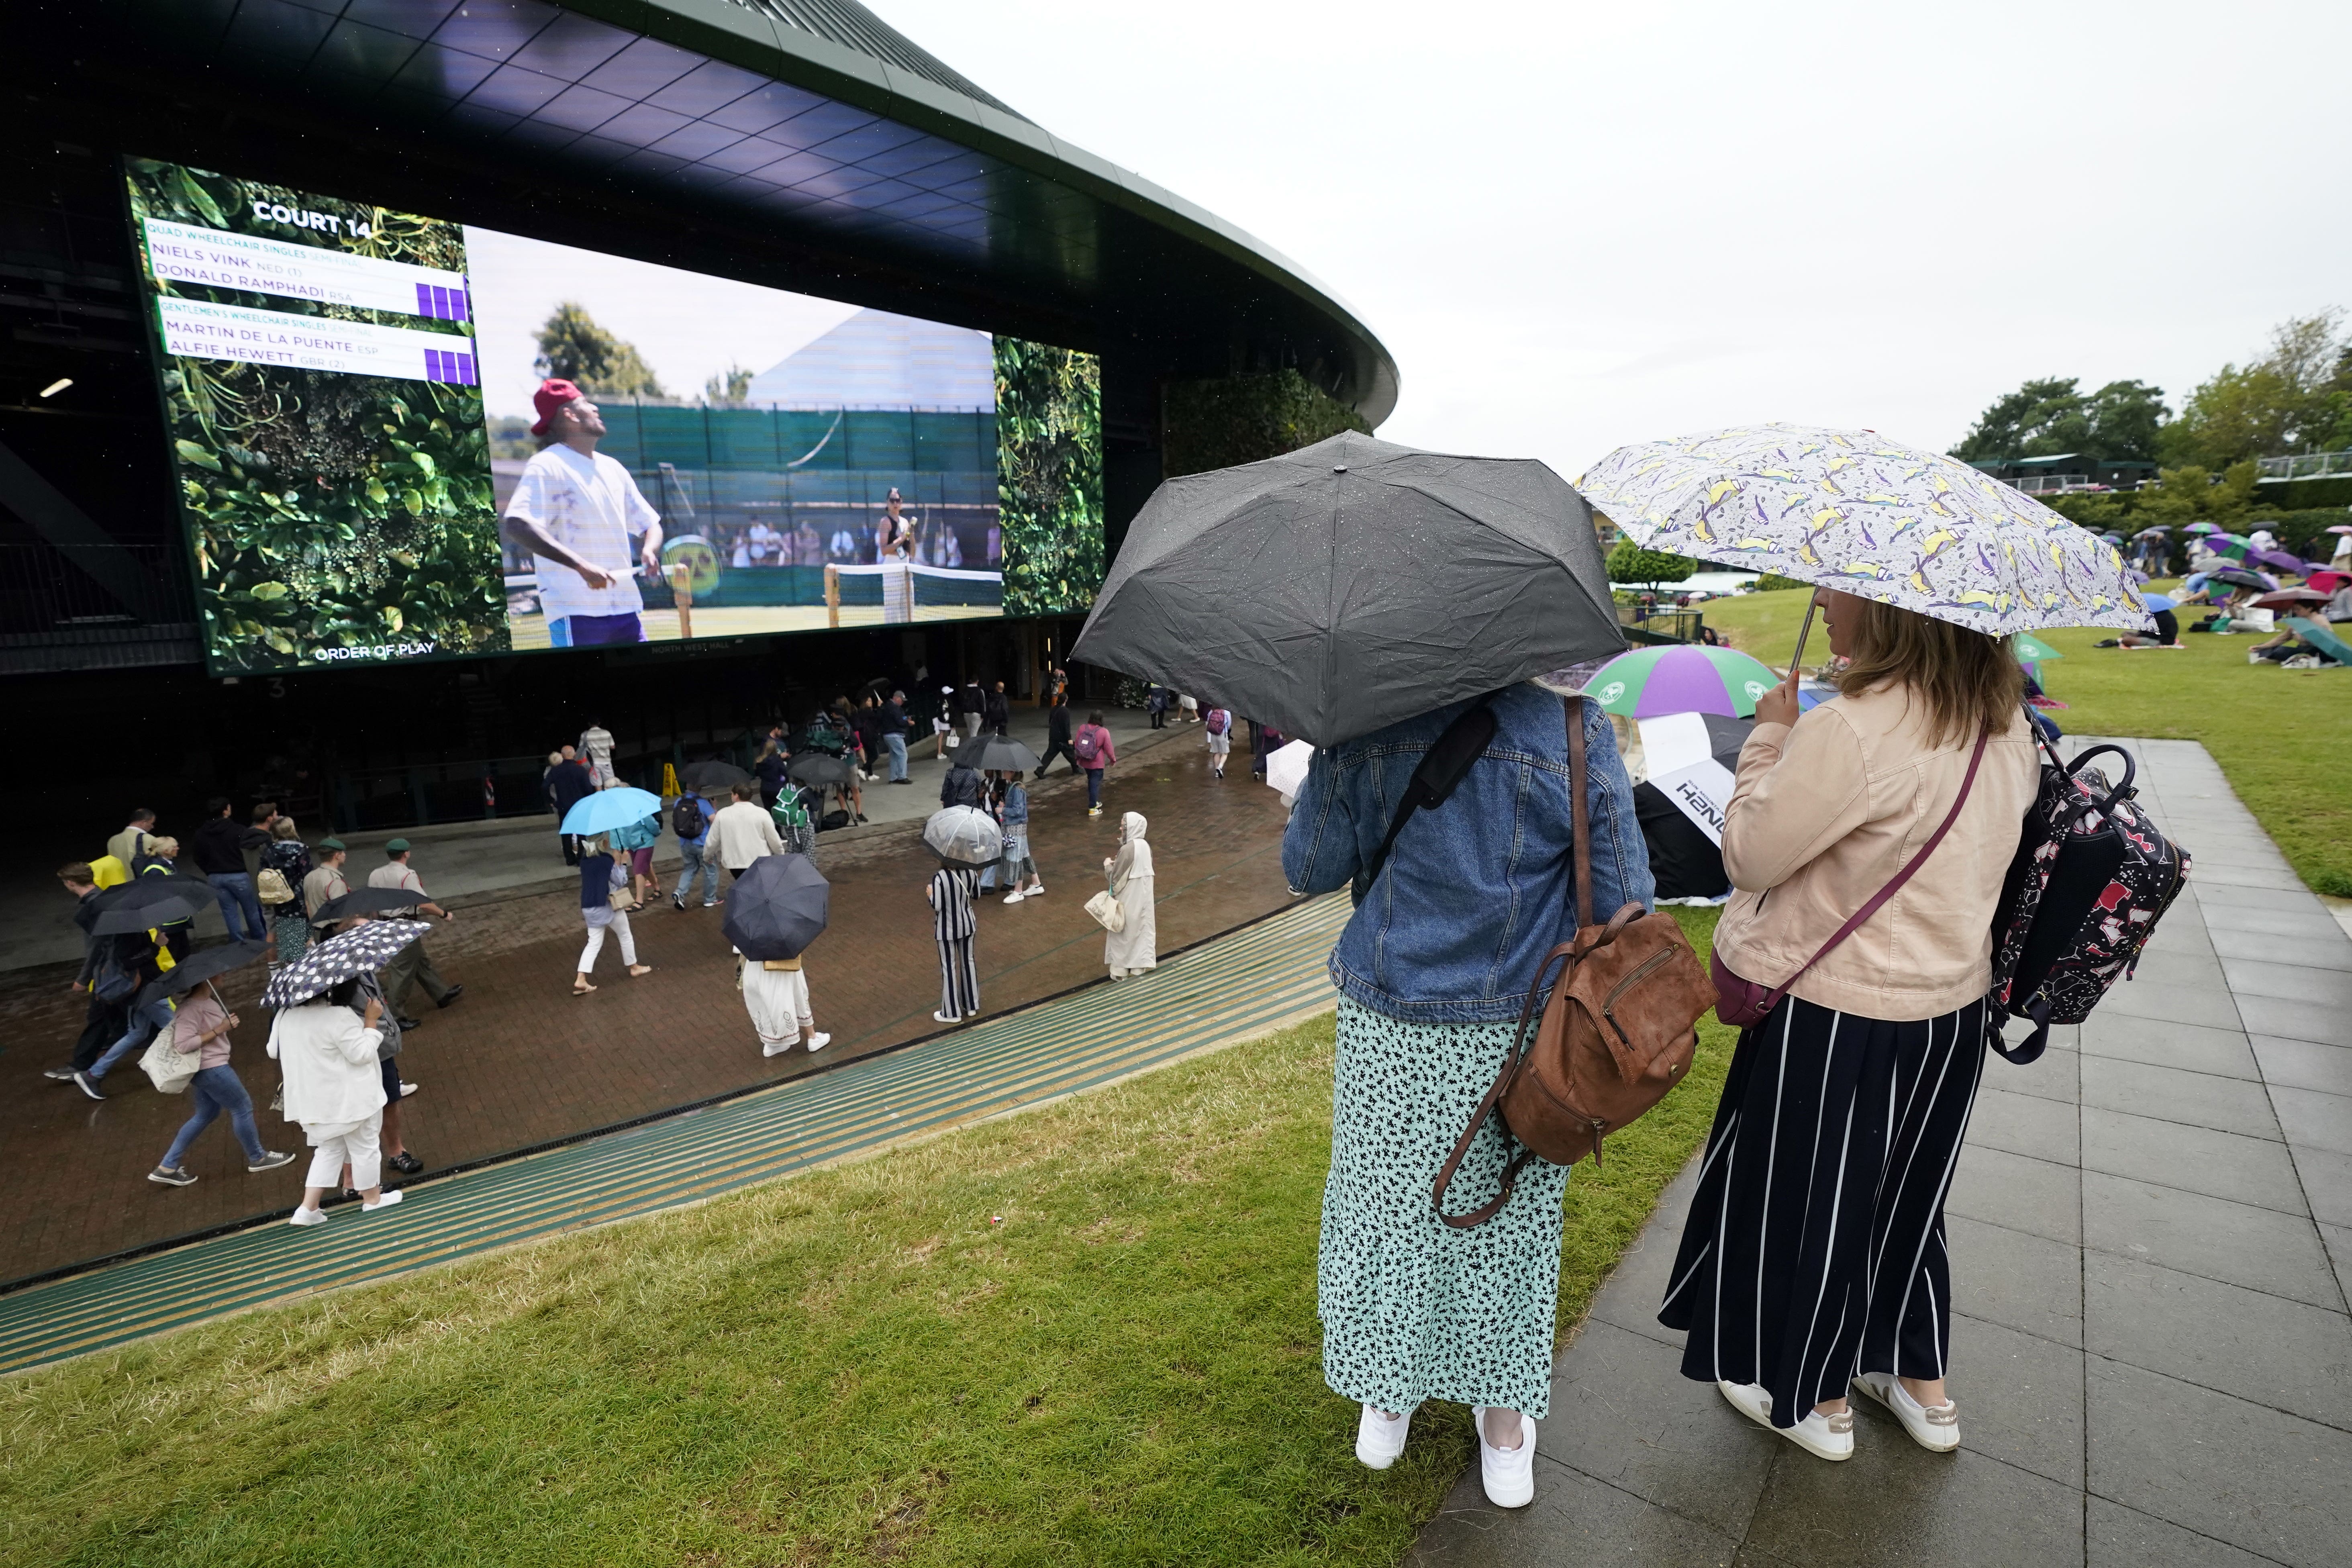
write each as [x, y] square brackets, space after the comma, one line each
[1629, 563]
[1774, 582]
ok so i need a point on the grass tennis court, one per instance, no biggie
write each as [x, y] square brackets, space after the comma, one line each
[661, 625]
[2284, 737]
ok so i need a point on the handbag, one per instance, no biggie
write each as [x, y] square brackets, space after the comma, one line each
[270, 887]
[1106, 911]
[1744, 1003]
[1618, 1031]
[168, 1068]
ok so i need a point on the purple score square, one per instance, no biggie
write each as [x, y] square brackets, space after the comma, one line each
[424, 300]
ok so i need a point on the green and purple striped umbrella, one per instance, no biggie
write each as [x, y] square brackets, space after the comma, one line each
[1651, 681]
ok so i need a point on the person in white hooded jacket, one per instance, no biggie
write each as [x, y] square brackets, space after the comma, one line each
[335, 1090]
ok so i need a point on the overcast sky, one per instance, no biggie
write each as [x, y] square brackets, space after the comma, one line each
[1578, 225]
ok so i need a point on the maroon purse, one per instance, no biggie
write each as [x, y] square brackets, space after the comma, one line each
[1744, 1003]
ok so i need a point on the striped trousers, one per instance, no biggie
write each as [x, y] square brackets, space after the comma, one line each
[959, 978]
[1816, 1245]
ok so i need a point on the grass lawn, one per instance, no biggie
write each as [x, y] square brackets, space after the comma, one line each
[859, 1365]
[2284, 737]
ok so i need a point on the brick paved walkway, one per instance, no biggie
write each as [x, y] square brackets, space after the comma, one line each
[519, 1062]
[2151, 1236]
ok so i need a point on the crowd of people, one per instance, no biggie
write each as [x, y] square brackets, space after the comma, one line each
[280, 895]
[285, 894]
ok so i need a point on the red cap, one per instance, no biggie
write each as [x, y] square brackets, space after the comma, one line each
[552, 394]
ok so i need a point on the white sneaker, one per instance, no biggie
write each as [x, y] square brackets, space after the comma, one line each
[945, 1019]
[1379, 1440]
[1507, 1474]
[1823, 1436]
[1014, 898]
[818, 1042]
[1036, 893]
[1936, 1427]
[768, 1051]
[384, 1201]
[306, 1217]
[406, 1089]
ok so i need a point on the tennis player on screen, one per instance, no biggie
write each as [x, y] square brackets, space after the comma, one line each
[895, 539]
[575, 511]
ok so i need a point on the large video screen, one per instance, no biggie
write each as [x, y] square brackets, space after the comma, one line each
[373, 465]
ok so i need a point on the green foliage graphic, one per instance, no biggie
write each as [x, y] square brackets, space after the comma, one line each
[331, 516]
[1049, 475]
[1246, 418]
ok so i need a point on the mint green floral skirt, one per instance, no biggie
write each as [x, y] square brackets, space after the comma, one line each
[1411, 1308]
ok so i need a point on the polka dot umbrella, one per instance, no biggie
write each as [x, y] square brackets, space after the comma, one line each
[327, 964]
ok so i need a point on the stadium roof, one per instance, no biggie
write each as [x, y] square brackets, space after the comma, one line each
[801, 142]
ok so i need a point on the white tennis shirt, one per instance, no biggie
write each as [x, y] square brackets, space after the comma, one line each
[590, 505]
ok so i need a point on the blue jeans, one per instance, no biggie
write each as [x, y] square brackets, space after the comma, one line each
[210, 1092]
[234, 891]
[898, 746]
[1094, 787]
[145, 1021]
[696, 861]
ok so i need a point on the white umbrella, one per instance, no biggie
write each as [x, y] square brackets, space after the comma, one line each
[965, 835]
[1285, 766]
[1850, 509]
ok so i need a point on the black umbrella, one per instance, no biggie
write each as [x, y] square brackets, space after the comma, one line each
[2239, 577]
[777, 907]
[1354, 584]
[366, 901]
[153, 888]
[147, 915]
[817, 768]
[198, 967]
[712, 777]
[994, 753]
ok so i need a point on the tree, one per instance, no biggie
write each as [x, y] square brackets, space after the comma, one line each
[2190, 494]
[573, 347]
[728, 388]
[2285, 402]
[1629, 563]
[2049, 418]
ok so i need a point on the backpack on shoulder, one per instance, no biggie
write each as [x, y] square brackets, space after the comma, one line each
[2091, 879]
[1218, 721]
[686, 819]
[1088, 746]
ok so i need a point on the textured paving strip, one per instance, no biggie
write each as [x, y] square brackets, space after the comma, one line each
[1229, 989]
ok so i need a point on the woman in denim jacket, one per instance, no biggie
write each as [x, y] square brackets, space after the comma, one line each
[1432, 972]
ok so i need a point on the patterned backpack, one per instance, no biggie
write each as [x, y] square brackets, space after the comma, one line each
[2091, 879]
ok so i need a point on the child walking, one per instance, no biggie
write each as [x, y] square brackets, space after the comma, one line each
[1217, 727]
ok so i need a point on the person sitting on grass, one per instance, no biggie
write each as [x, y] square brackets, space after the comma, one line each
[2165, 635]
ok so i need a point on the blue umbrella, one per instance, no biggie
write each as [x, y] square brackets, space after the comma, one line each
[608, 810]
[2156, 602]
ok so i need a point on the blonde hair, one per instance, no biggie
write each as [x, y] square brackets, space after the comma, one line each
[167, 848]
[1968, 680]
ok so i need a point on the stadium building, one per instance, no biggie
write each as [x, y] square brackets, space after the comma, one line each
[899, 219]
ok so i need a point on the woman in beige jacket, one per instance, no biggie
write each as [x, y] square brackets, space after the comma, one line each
[1813, 1258]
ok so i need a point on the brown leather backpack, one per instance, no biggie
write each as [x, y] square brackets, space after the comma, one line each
[1619, 1031]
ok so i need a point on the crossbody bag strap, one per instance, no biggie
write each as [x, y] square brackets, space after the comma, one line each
[1894, 883]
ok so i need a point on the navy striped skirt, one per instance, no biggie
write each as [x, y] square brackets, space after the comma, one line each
[1815, 1246]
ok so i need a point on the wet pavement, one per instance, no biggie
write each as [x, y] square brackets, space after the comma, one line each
[519, 1062]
